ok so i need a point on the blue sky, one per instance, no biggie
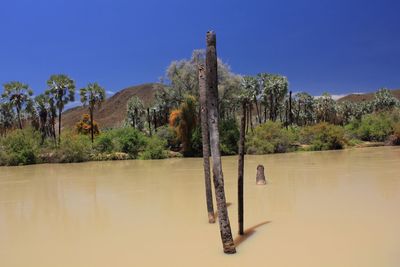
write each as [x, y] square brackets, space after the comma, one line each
[335, 46]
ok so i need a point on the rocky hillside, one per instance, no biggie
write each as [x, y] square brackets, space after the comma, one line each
[365, 97]
[113, 111]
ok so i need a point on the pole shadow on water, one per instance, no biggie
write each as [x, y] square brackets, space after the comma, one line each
[247, 233]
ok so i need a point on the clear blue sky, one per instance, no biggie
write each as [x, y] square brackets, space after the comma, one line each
[337, 46]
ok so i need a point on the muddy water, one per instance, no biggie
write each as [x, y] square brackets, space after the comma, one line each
[338, 208]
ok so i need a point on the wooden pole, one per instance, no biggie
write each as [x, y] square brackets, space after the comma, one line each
[206, 142]
[260, 178]
[213, 121]
[290, 109]
[241, 168]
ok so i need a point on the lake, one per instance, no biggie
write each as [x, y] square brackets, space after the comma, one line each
[334, 208]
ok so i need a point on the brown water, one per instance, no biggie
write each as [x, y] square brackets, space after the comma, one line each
[338, 208]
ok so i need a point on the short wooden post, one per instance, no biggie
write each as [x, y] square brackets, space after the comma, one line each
[260, 178]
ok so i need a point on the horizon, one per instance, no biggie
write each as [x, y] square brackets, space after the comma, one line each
[307, 42]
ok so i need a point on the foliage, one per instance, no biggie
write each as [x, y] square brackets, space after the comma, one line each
[104, 143]
[229, 136]
[92, 95]
[18, 95]
[183, 120]
[135, 113]
[373, 127]
[323, 136]
[62, 89]
[7, 117]
[275, 88]
[20, 147]
[303, 109]
[269, 137]
[384, 100]
[325, 108]
[168, 134]
[154, 149]
[182, 76]
[73, 148]
[129, 140]
[84, 126]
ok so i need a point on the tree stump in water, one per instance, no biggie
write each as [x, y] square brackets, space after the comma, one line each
[260, 178]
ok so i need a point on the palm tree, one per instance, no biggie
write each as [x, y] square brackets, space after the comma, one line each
[91, 96]
[135, 112]
[7, 117]
[61, 91]
[18, 95]
[42, 108]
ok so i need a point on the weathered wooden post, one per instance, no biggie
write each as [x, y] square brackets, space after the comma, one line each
[241, 168]
[290, 109]
[149, 120]
[206, 142]
[260, 178]
[213, 121]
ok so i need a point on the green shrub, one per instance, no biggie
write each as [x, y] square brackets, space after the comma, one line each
[372, 127]
[196, 143]
[269, 137]
[129, 140]
[229, 136]
[168, 134]
[154, 149]
[104, 142]
[323, 136]
[20, 147]
[73, 148]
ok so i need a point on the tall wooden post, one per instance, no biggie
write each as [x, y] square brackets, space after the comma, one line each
[149, 120]
[241, 168]
[213, 121]
[206, 142]
[290, 109]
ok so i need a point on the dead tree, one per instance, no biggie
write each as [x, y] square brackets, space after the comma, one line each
[149, 120]
[290, 109]
[213, 121]
[241, 168]
[260, 178]
[206, 142]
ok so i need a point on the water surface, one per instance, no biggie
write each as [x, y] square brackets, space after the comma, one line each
[339, 208]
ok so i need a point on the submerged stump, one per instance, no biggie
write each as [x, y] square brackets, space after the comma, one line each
[260, 178]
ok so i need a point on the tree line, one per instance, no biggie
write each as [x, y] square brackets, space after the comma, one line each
[18, 105]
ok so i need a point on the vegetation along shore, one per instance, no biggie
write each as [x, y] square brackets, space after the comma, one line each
[156, 121]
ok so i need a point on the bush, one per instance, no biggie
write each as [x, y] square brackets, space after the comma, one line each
[372, 127]
[104, 143]
[394, 139]
[229, 136]
[168, 134]
[73, 148]
[323, 136]
[196, 143]
[154, 149]
[20, 147]
[129, 140]
[269, 137]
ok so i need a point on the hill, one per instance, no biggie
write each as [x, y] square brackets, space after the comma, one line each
[113, 111]
[365, 97]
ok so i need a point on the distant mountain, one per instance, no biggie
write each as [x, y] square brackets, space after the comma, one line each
[113, 111]
[365, 97]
